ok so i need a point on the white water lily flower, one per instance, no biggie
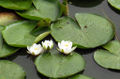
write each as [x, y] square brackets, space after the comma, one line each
[47, 44]
[66, 47]
[35, 49]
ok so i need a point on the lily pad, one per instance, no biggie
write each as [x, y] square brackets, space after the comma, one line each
[24, 33]
[44, 9]
[92, 30]
[115, 3]
[80, 77]
[109, 58]
[5, 50]
[19, 34]
[16, 4]
[59, 66]
[10, 70]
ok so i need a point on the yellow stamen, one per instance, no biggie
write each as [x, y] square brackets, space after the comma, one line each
[66, 45]
[36, 48]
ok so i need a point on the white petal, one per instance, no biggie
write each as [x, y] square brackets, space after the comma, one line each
[34, 45]
[59, 44]
[35, 49]
[28, 52]
[47, 44]
[67, 50]
[51, 44]
[70, 43]
[28, 47]
[73, 48]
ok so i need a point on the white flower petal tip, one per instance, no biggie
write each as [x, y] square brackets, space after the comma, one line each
[35, 49]
[66, 47]
[47, 44]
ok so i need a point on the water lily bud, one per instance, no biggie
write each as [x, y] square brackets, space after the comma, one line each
[66, 47]
[35, 49]
[47, 44]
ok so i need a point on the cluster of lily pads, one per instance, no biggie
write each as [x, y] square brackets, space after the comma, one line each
[25, 23]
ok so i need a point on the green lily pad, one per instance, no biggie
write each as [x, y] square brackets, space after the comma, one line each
[92, 31]
[59, 66]
[80, 77]
[19, 34]
[115, 3]
[44, 9]
[24, 33]
[109, 58]
[16, 4]
[5, 50]
[10, 70]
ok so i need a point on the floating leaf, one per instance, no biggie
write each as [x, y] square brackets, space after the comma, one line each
[109, 58]
[16, 4]
[5, 50]
[19, 34]
[80, 77]
[44, 9]
[92, 31]
[58, 66]
[115, 3]
[10, 70]
[23, 33]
